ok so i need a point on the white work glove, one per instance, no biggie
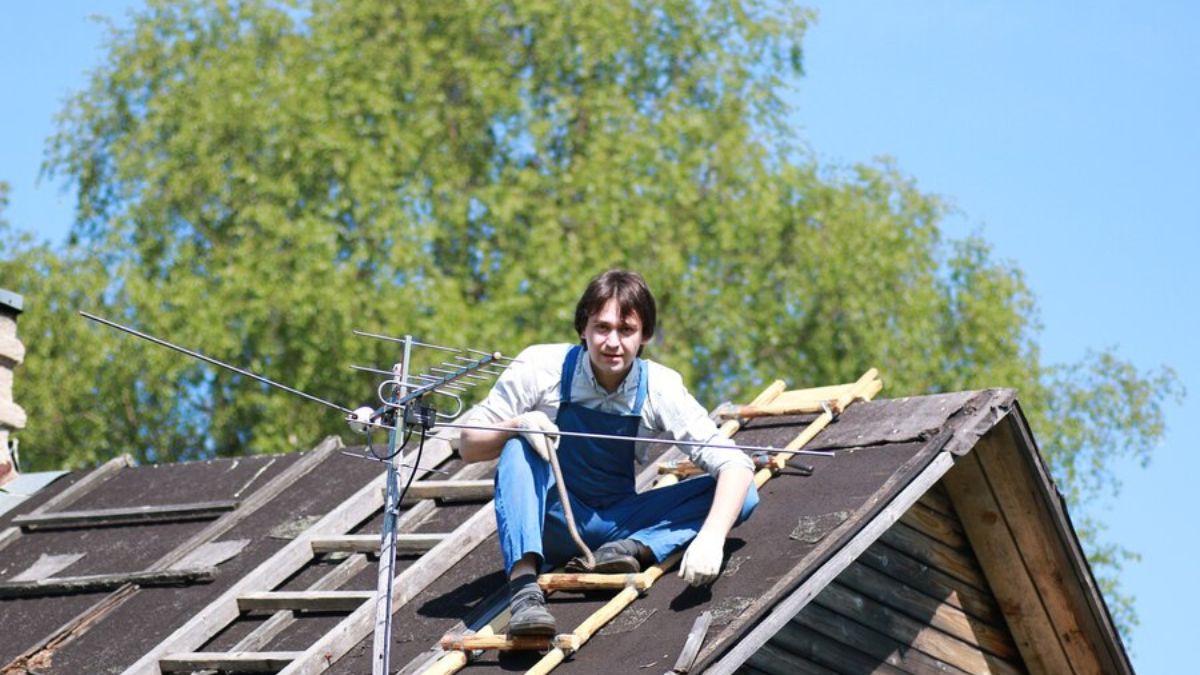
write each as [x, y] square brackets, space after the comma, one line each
[538, 421]
[702, 560]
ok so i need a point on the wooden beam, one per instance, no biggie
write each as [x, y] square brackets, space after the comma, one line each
[883, 648]
[935, 525]
[451, 490]
[958, 563]
[104, 582]
[951, 620]
[691, 647]
[920, 635]
[304, 601]
[72, 494]
[135, 515]
[831, 653]
[369, 543]
[240, 662]
[925, 577]
[775, 661]
[1014, 486]
[1006, 571]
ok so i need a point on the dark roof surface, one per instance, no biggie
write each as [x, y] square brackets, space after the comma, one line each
[801, 521]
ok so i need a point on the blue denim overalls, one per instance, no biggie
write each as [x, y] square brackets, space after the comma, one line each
[599, 474]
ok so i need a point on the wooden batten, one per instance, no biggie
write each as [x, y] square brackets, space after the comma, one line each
[240, 662]
[137, 515]
[104, 582]
[451, 490]
[917, 634]
[1006, 505]
[960, 564]
[936, 526]
[923, 576]
[406, 543]
[304, 601]
[939, 614]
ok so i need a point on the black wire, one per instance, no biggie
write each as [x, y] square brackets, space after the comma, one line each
[413, 475]
[407, 434]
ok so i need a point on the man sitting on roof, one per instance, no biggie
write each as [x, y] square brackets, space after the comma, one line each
[601, 386]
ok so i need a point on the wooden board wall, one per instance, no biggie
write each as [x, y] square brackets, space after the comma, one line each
[916, 601]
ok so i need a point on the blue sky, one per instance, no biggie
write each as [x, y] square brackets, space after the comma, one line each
[1068, 139]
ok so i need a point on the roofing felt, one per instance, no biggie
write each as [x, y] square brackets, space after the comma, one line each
[879, 447]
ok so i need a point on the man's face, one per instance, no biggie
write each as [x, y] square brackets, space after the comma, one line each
[612, 343]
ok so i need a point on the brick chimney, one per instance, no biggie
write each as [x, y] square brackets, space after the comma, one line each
[12, 352]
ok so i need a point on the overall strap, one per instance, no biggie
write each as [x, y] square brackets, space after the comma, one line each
[643, 376]
[568, 373]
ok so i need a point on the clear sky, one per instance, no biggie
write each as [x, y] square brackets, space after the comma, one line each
[1068, 138]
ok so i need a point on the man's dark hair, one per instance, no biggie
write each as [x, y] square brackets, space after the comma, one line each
[632, 295]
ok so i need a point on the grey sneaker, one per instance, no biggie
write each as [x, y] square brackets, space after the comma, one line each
[624, 556]
[529, 614]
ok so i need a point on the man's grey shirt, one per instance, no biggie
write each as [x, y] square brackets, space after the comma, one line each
[670, 411]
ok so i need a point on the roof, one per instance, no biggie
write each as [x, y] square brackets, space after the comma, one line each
[803, 541]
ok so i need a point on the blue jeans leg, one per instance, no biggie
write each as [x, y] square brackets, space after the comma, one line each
[523, 480]
[664, 519]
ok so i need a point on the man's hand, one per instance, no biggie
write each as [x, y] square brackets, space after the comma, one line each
[702, 560]
[528, 424]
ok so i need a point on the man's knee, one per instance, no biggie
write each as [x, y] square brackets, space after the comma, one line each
[517, 449]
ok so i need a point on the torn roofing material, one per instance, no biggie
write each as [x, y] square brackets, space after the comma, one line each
[809, 535]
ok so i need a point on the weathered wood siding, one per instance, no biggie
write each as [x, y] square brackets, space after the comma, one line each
[915, 602]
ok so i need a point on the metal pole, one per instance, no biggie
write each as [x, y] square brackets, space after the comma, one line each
[661, 441]
[215, 362]
[382, 647]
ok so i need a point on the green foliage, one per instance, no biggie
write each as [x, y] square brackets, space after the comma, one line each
[256, 178]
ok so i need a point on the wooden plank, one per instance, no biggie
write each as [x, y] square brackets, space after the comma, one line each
[451, 490]
[77, 490]
[369, 543]
[917, 634]
[241, 662]
[1015, 591]
[784, 610]
[883, 648]
[935, 525]
[960, 564]
[104, 582]
[830, 653]
[1013, 485]
[939, 501]
[772, 660]
[951, 620]
[691, 647]
[134, 515]
[304, 601]
[351, 630]
[933, 582]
